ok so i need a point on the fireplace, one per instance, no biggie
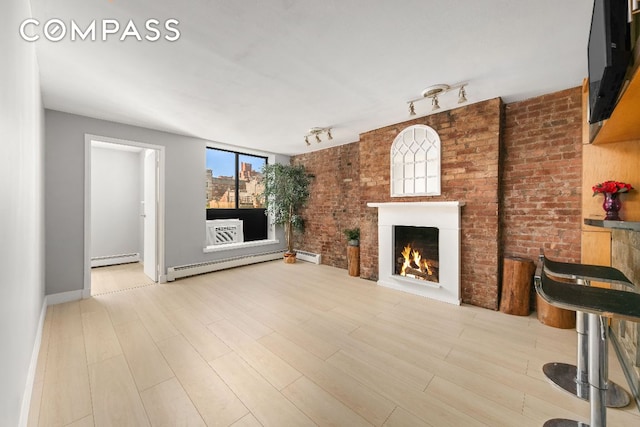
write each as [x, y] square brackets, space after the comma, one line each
[416, 253]
[432, 231]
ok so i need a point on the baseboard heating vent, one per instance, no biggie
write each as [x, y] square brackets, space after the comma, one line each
[309, 257]
[174, 273]
[101, 261]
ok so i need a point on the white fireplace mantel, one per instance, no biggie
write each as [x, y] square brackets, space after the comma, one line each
[445, 216]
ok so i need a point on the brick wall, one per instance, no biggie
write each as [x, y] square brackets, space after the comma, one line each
[470, 139]
[334, 203]
[543, 175]
[517, 168]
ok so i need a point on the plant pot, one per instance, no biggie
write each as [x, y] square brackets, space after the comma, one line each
[290, 258]
[353, 260]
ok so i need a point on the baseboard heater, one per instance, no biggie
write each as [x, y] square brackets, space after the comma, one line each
[309, 257]
[101, 261]
[174, 273]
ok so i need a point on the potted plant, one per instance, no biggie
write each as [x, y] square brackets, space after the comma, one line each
[353, 250]
[286, 191]
[353, 236]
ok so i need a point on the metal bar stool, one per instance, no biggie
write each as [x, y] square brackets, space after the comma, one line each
[574, 378]
[598, 304]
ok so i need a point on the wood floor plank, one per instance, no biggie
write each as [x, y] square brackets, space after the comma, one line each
[416, 402]
[66, 394]
[402, 418]
[271, 367]
[100, 339]
[85, 422]
[201, 338]
[366, 402]
[116, 401]
[168, 405]
[215, 401]
[121, 307]
[320, 406]
[296, 333]
[264, 401]
[66, 321]
[483, 409]
[159, 327]
[247, 421]
[147, 364]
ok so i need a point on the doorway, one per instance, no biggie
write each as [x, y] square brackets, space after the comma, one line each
[124, 194]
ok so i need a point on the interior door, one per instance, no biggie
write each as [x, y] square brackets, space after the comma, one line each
[150, 211]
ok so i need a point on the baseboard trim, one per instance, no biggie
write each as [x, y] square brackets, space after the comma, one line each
[104, 261]
[33, 365]
[63, 297]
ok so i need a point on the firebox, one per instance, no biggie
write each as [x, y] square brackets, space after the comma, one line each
[416, 252]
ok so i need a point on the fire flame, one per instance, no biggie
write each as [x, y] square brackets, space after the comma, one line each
[413, 260]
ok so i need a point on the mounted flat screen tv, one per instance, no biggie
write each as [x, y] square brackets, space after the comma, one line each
[608, 56]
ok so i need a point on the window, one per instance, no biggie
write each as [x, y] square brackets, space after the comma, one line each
[234, 180]
[415, 162]
[234, 190]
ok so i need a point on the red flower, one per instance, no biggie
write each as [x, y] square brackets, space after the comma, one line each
[611, 187]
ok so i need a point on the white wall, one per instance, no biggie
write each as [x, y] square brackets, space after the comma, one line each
[116, 177]
[21, 213]
[185, 216]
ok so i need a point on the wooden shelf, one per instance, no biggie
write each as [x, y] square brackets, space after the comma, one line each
[618, 225]
[623, 124]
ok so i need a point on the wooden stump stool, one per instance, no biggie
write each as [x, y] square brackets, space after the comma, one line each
[353, 260]
[517, 276]
[554, 316]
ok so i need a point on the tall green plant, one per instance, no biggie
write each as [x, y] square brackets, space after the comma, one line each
[286, 190]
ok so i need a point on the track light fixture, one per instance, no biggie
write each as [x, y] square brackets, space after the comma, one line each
[434, 92]
[316, 132]
[462, 95]
[412, 109]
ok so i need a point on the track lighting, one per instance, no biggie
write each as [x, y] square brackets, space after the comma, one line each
[434, 92]
[462, 95]
[412, 109]
[316, 132]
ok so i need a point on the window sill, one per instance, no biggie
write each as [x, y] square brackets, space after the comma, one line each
[229, 246]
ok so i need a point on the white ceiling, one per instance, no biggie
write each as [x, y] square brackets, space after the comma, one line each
[260, 73]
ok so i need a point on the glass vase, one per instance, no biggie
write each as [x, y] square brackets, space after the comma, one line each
[611, 206]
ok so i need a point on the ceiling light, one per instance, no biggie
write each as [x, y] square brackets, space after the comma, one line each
[435, 92]
[316, 132]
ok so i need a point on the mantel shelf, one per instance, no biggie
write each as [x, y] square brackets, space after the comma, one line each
[618, 225]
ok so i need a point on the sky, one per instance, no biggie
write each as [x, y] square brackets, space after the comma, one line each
[222, 163]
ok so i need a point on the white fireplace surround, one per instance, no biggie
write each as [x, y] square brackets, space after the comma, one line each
[444, 216]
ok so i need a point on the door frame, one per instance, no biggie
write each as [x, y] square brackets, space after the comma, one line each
[160, 219]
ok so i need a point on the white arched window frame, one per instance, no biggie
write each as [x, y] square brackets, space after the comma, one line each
[415, 162]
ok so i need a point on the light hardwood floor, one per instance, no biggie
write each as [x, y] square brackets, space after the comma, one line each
[295, 345]
[116, 278]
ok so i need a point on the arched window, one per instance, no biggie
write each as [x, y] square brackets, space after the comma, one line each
[415, 162]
